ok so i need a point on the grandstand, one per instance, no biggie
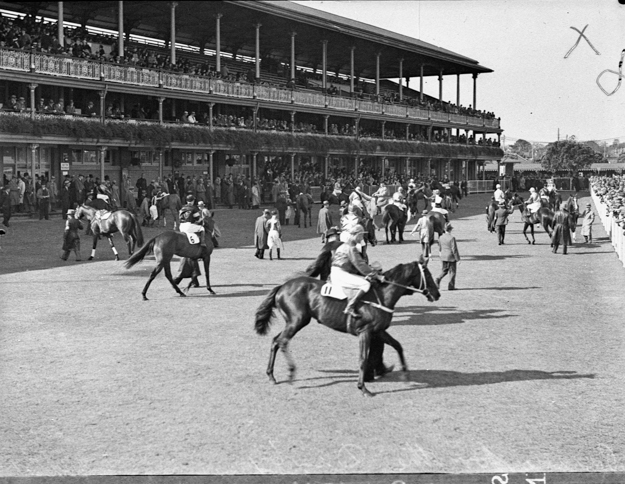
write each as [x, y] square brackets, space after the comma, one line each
[122, 88]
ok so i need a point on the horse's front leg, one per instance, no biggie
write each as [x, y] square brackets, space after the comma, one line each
[389, 340]
[207, 263]
[364, 340]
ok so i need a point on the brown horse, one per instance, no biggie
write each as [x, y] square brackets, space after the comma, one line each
[107, 223]
[394, 220]
[299, 300]
[170, 243]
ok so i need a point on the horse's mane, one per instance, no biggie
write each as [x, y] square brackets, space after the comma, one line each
[399, 270]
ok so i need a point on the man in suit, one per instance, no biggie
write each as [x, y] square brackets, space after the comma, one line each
[501, 220]
[449, 257]
[325, 221]
[561, 230]
[5, 205]
[260, 234]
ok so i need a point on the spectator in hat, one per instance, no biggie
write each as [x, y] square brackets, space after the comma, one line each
[425, 229]
[5, 204]
[449, 257]
[561, 230]
[71, 237]
[20, 106]
[324, 221]
[43, 196]
[501, 220]
[261, 230]
[588, 218]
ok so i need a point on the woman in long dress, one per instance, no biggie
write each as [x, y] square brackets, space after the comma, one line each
[274, 238]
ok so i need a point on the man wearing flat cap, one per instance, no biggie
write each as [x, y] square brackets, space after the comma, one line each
[449, 257]
[324, 221]
[71, 238]
[261, 230]
[561, 230]
[588, 218]
[501, 220]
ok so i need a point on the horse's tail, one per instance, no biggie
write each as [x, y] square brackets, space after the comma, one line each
[386, 216]
[138, 232]
[138, 256]
[265, 311]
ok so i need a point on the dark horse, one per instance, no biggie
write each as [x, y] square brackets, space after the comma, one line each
[414, 195]
[304, 204]
[299, 300]
[544, 216]
[333, 199]
[395, 219]
[122, 221]
[170, 243]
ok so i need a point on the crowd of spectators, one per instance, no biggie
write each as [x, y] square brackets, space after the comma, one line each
[28, 34]
[611, 192]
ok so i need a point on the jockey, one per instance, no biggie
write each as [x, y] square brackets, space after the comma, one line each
[191, 219]
[103, 193]
[399, 198]
[436, 198]
[382, 195]
[356, 198]
[411, 184]
[499, 194]
[439, 209]
[533, 202]
[350, 271]
[351, 219]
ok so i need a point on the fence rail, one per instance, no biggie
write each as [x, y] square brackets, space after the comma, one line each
[25, 61]
[613, 229]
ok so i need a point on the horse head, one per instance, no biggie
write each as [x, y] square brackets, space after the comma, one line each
[84, 211]
[414, 277]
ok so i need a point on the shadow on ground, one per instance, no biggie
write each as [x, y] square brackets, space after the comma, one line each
[436, 315]
[424, 379]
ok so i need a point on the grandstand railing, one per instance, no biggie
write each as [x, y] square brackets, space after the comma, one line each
[609, 222]
[54, 65]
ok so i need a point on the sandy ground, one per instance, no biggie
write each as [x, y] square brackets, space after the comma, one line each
[520, 370]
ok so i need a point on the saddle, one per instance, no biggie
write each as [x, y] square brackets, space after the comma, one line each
[103, 214]
[193, 238]
[336, 292]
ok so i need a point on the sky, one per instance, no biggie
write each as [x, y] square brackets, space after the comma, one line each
[533, 88]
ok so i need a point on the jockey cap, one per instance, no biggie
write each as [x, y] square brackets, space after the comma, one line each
[498, 186]
[532, 190]
[190, 198]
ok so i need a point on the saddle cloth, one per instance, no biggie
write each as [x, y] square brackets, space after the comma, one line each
[192, 238]
[103, 214]
[533, 207]
[336, 292]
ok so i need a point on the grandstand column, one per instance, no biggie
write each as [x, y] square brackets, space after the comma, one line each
[421, 84]
[293, 34]
[160, 163]
[407, 166]
[258, 25]
[102, 107]
[173, 32]
[292, 166]
[383, 124]
[254, 156]
[407, 132]
[475, 90]
[33, 157]
[292, 122]
[357, 127]
[440, 86]
[102, 153]
[377, 74]
[326, 163]
[356, 162]
[324, 65]
[160, 109]
[210, 115]
[218, 42]
[326, 118]
[32, 88]
[59, 32]
[120, 28]
[351, 69]
[401, 79]
[210, 164]
[458, 89]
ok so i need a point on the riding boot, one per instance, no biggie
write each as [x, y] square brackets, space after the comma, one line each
[351, 305]
[257, 254]
[261, 254]
[278, 253]
[202, 239]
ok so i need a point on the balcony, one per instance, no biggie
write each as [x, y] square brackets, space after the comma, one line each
[71, 67]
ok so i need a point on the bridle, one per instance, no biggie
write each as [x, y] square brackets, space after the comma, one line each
[423, 289]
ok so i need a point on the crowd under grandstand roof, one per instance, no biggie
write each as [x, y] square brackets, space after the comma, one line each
[196, 26]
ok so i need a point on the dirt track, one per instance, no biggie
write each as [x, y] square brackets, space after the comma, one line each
[521, 369]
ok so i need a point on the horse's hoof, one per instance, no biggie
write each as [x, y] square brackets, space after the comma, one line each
[533, 242]
[182, 294]
[211, 291]
[117, 258]
[366, 393]
[90, 258]
[145, 298]
[272, 380]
